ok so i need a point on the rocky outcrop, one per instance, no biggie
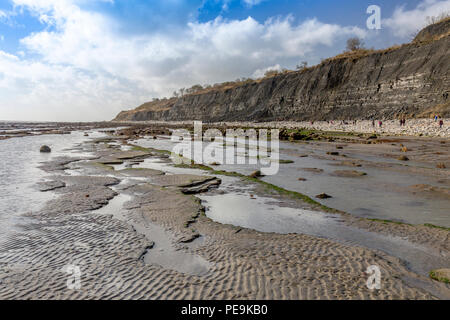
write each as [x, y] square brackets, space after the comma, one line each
[409, 80]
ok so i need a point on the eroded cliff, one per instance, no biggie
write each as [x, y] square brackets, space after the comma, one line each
[412, 79]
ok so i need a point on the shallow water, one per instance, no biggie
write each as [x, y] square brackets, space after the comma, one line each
[19, 158]
[267, 215]
[163, 253]
[380, 194]
[240, 207]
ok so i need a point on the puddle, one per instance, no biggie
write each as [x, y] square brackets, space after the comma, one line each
[266, 215]
[163, 253]
[167, 256]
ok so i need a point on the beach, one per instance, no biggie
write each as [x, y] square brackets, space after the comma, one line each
[117, 220]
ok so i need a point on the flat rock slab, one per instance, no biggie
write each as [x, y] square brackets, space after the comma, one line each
[348, 173]
[58, 164]
[166, 206]
[181, 180]
[104, 140]
[109, 160]
[127, 155]
[431, 191]
[346, 163]
[76, 198]
[313, 170]
[50, 185]
[90, 180]
[203, 187]
[140, 172]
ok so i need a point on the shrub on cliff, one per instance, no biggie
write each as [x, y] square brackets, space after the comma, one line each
[354, 44]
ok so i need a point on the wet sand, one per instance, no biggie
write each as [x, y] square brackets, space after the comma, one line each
[142, 234]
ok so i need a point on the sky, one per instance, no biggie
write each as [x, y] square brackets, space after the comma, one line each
[86, 60]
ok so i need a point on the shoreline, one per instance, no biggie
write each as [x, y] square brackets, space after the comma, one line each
[426, 128]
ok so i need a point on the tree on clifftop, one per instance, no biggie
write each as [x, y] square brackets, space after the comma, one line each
[354, 44]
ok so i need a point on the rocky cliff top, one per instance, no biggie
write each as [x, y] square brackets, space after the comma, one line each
[434, 32]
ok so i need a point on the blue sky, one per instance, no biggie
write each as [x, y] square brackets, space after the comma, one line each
[89, 59]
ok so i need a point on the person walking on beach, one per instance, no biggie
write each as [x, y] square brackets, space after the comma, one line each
[441, 123]
[380, 123]
[373, 123]
[435, 117]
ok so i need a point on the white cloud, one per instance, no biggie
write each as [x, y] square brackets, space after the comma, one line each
[42, 91]
[261, 72]
[86, 70]
[247, 3]
[405, 23]
[5, 17]
[251, 3]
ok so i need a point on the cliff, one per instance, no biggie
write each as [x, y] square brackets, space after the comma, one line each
[412, 80]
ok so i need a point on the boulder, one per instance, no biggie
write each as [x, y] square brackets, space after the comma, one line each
[45, 149]
[313, 170]
[256, 174]
[323, 196]
[348, 173]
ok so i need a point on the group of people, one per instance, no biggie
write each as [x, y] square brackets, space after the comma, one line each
[441, 121]
[380, 123]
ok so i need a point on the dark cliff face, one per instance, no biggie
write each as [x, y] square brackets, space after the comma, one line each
[413, 80]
